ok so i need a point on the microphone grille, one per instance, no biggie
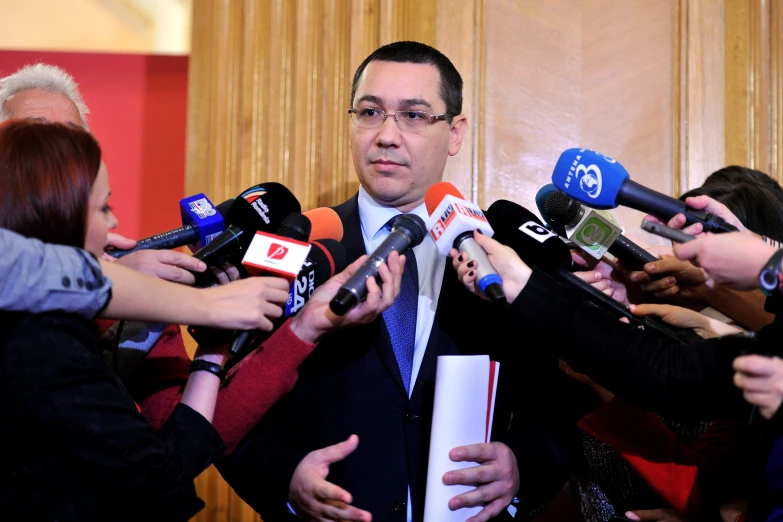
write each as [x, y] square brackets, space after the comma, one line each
[296, 226]
[413, 224]
[560, 209]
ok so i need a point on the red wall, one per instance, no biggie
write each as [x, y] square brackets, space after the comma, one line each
[138, 112]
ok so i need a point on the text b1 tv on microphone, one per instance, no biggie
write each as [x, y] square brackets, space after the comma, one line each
[601, 182]
[451, 224]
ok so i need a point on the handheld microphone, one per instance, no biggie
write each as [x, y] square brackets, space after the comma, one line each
[600, 182]
[201, 223]
[593, 231]
[520, 229]
[281, 254]
[408, 231]
[327, 258]
[243, 222]
[451, 224]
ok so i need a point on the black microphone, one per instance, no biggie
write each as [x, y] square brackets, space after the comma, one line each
[294, 226]
[561, 211]
[520, 229]
[407, 232]
[601, 182]
[243, 221]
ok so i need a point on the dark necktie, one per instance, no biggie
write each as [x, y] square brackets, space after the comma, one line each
[400, 317]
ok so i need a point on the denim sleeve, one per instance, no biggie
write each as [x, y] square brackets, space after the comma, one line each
[39, 277]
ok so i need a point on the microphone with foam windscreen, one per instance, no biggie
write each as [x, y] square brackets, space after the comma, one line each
[201, 223]
[587, 228]
[451, 224]
[600, 182]
[408, 231]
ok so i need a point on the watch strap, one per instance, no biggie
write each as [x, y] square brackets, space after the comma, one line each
[198, 365]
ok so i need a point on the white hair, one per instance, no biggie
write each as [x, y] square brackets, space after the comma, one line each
[41, 76]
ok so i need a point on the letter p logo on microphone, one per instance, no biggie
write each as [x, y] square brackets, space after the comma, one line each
[276, 251]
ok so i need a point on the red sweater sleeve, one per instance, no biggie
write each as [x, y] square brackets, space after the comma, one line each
[251, 388]
[682, 475]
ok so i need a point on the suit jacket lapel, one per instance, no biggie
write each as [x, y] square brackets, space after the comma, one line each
[353, 242]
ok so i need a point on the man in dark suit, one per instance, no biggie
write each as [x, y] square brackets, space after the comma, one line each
[377, 381]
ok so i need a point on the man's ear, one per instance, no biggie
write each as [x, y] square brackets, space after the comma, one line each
[459, 126]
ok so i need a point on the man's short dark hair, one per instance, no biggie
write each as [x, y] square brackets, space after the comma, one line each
[416, 52]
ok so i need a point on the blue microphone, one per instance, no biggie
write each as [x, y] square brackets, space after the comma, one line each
[600, 182]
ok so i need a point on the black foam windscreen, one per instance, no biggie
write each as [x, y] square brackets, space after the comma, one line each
[329, 257]
[518, 228]
[560, 210]
[295, 226]
[413, 224]
[273, 202]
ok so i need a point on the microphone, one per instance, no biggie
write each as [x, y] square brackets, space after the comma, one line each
[600, 182]
[408, 231]
[327, 257]
[326, 224]
[593, 231]
[281, 254]
[201, 223]
[519, 229]
[451, 224]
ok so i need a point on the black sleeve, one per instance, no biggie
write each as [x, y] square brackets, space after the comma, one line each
[686, 380]
[61, 388]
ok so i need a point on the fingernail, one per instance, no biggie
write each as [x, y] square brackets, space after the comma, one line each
[471, 264]
[461, 258]
[470, 274]
[447, 478]
[650, 267]
[457, 504]
[671, 281]
[598, 276]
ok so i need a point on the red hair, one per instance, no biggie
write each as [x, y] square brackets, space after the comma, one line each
[46, 175]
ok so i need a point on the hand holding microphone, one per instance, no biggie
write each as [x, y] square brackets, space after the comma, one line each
[505, 260]
[451, 224]
[600, 182]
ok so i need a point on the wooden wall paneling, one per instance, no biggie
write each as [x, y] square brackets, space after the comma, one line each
[702, 111]
[776, 90]
[531, 111]
[625, 99]
[739, 82]
[460, 36]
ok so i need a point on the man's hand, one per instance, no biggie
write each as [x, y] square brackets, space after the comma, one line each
[680, 317]
[316, 319]
[676, 278]
[733, 259]
[246, 304]
[761, 379]
[313, 497]
[656, 515]
[165, 264]
[496, 478]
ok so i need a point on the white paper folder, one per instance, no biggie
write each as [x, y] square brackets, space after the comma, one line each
[465, 387]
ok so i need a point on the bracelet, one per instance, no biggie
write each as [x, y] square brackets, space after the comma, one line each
[771, 277]
[200, 365]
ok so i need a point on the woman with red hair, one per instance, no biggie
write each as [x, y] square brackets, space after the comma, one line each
[80, 450]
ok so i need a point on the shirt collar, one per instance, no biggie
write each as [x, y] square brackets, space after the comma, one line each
[373, 215]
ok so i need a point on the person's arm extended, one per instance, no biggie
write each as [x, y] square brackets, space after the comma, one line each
[38, 277]
[745, 307]
[241, 305]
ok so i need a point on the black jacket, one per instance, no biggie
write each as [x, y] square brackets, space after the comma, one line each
[685, 381]
[351, 384]
[76, 447]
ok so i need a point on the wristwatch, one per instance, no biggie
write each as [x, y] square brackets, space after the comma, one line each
[206, 366]
[771, 277]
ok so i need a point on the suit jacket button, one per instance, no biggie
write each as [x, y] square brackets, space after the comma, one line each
[399, 507]
[66, 282]
[411, 415]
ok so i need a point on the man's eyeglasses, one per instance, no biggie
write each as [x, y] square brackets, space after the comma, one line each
[370, 118]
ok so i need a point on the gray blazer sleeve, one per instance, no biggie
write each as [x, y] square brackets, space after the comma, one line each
[39, 277]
